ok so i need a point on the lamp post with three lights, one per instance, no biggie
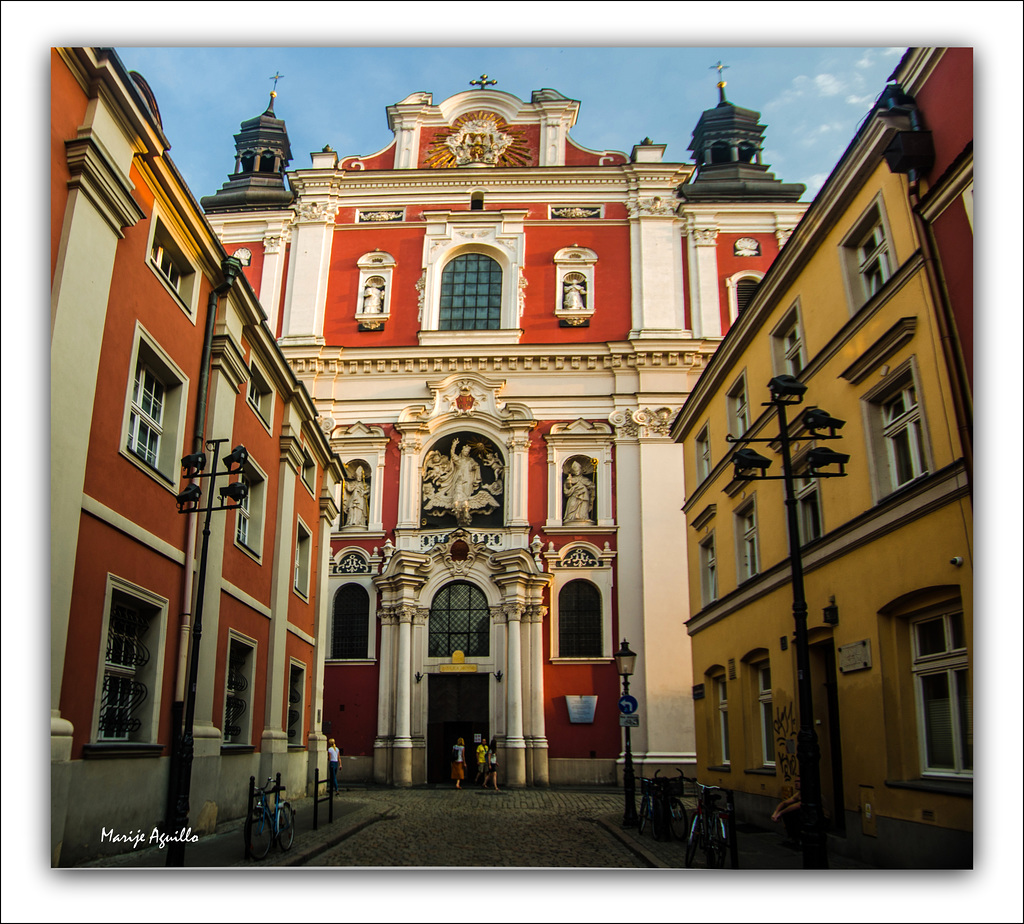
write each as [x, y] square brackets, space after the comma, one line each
[787, 391]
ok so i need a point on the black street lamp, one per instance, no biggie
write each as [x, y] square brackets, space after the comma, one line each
[788, 391]
[625, 661]
[188, 502]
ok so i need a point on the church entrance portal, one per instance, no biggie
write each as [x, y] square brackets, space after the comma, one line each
[457, 708]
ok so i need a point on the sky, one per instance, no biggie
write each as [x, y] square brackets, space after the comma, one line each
[811, 98]
[784, 61]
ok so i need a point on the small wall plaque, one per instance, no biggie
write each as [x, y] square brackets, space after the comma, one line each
[581, 709]
[855, 656]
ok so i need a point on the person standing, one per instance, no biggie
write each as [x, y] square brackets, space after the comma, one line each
[333, 758]
[492, 765]
[481, 763]
[459, 763]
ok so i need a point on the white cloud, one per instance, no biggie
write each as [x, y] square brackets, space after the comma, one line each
[828, 85]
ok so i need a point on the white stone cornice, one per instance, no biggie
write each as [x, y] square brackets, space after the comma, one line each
[96, 175]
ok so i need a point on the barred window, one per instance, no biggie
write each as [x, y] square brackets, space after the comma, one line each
[296, 689]
[350, 631]
[460, 620]
[471, 293]
[579, 621]
[238, 694]
[126, 657]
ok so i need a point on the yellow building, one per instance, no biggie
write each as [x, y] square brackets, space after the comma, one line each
[851, 307]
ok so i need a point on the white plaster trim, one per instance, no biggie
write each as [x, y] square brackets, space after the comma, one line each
[262, 608]
[111, 517]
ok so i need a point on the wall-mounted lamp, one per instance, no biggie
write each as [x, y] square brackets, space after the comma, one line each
[498, 675]
[419, 676]
[831, 613]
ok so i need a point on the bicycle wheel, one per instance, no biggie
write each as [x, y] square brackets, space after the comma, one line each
[262, 835]
[715, 847]
[680, 820]
[285, 827]
[645, 811]
[694, 839]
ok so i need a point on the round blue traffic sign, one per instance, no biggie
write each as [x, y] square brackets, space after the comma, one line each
[628, 704]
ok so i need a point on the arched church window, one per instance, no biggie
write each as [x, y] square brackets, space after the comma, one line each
[471, 293]
[350, 629]
[579, 621]
[460, 620]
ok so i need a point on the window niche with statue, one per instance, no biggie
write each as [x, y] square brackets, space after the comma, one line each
[579, 491]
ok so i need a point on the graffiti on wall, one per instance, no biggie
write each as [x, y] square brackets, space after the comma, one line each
[785, 742]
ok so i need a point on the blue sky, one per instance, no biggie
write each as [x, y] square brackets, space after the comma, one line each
[811, 98]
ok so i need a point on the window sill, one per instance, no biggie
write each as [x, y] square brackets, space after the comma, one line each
[600, 659]
[350, 661]
[156, 474]
[110, 750]
[720, 768]
[469, 337]
[761, 771]
[945, 787]
[226, 749]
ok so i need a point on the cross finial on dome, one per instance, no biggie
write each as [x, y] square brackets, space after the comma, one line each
[721, 83]
[483, 82]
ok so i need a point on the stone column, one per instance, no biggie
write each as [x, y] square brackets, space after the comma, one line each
[515, 745]
[385, 686]
[273, 275]
[409, 484]
[403, 699]
[538, 739]
[518, 474]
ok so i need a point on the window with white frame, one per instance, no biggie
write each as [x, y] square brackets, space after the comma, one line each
[703, 453]
[739, 411]
[901, 419]
[250, 513]
[172, 267]
[238, 692]
[764, 712]
[808, 506]
[722, 704]
[897, 430]
[303, 551]
[154, 410]
[708, 570]
[308, 469]
[868, 255]
[943, 688]
[129, 686]
[746, 542]
[261, 395]
[787, 345]
[350, 627]
[296, 700]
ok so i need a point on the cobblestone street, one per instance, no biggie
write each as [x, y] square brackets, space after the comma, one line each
[472, 827]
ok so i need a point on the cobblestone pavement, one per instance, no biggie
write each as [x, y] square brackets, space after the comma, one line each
[473, 827]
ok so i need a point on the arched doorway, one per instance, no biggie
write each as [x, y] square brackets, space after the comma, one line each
[458, 704]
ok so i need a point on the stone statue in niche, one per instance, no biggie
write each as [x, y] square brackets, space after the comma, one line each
[454, 483]
[578, 489]
[574, 292]
[357, 498]
[373, 296]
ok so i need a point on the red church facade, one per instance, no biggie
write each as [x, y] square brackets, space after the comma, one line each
[497, 326]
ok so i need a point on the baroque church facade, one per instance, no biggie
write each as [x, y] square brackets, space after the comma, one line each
[497, 326]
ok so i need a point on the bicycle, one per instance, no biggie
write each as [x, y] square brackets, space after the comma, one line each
[661, 795]
[271, 824]
[709, 829]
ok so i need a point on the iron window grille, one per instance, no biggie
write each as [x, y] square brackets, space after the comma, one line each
[350, 628]
[460, 620]
[126, 656]
[579, 621]
[471, 293]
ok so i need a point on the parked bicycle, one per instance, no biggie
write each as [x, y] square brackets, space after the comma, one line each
[662, 807]
[710, 828]
[271, 822]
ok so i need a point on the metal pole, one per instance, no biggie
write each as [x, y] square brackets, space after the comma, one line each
[176, 850]
[629, 818]
[812, 830]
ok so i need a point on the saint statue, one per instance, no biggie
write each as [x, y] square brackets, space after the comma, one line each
[357, 500]
[373, 297]
[573, 295]
[579, 496]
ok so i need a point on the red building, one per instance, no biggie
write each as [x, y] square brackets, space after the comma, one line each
[497, 326]
[157, 348]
